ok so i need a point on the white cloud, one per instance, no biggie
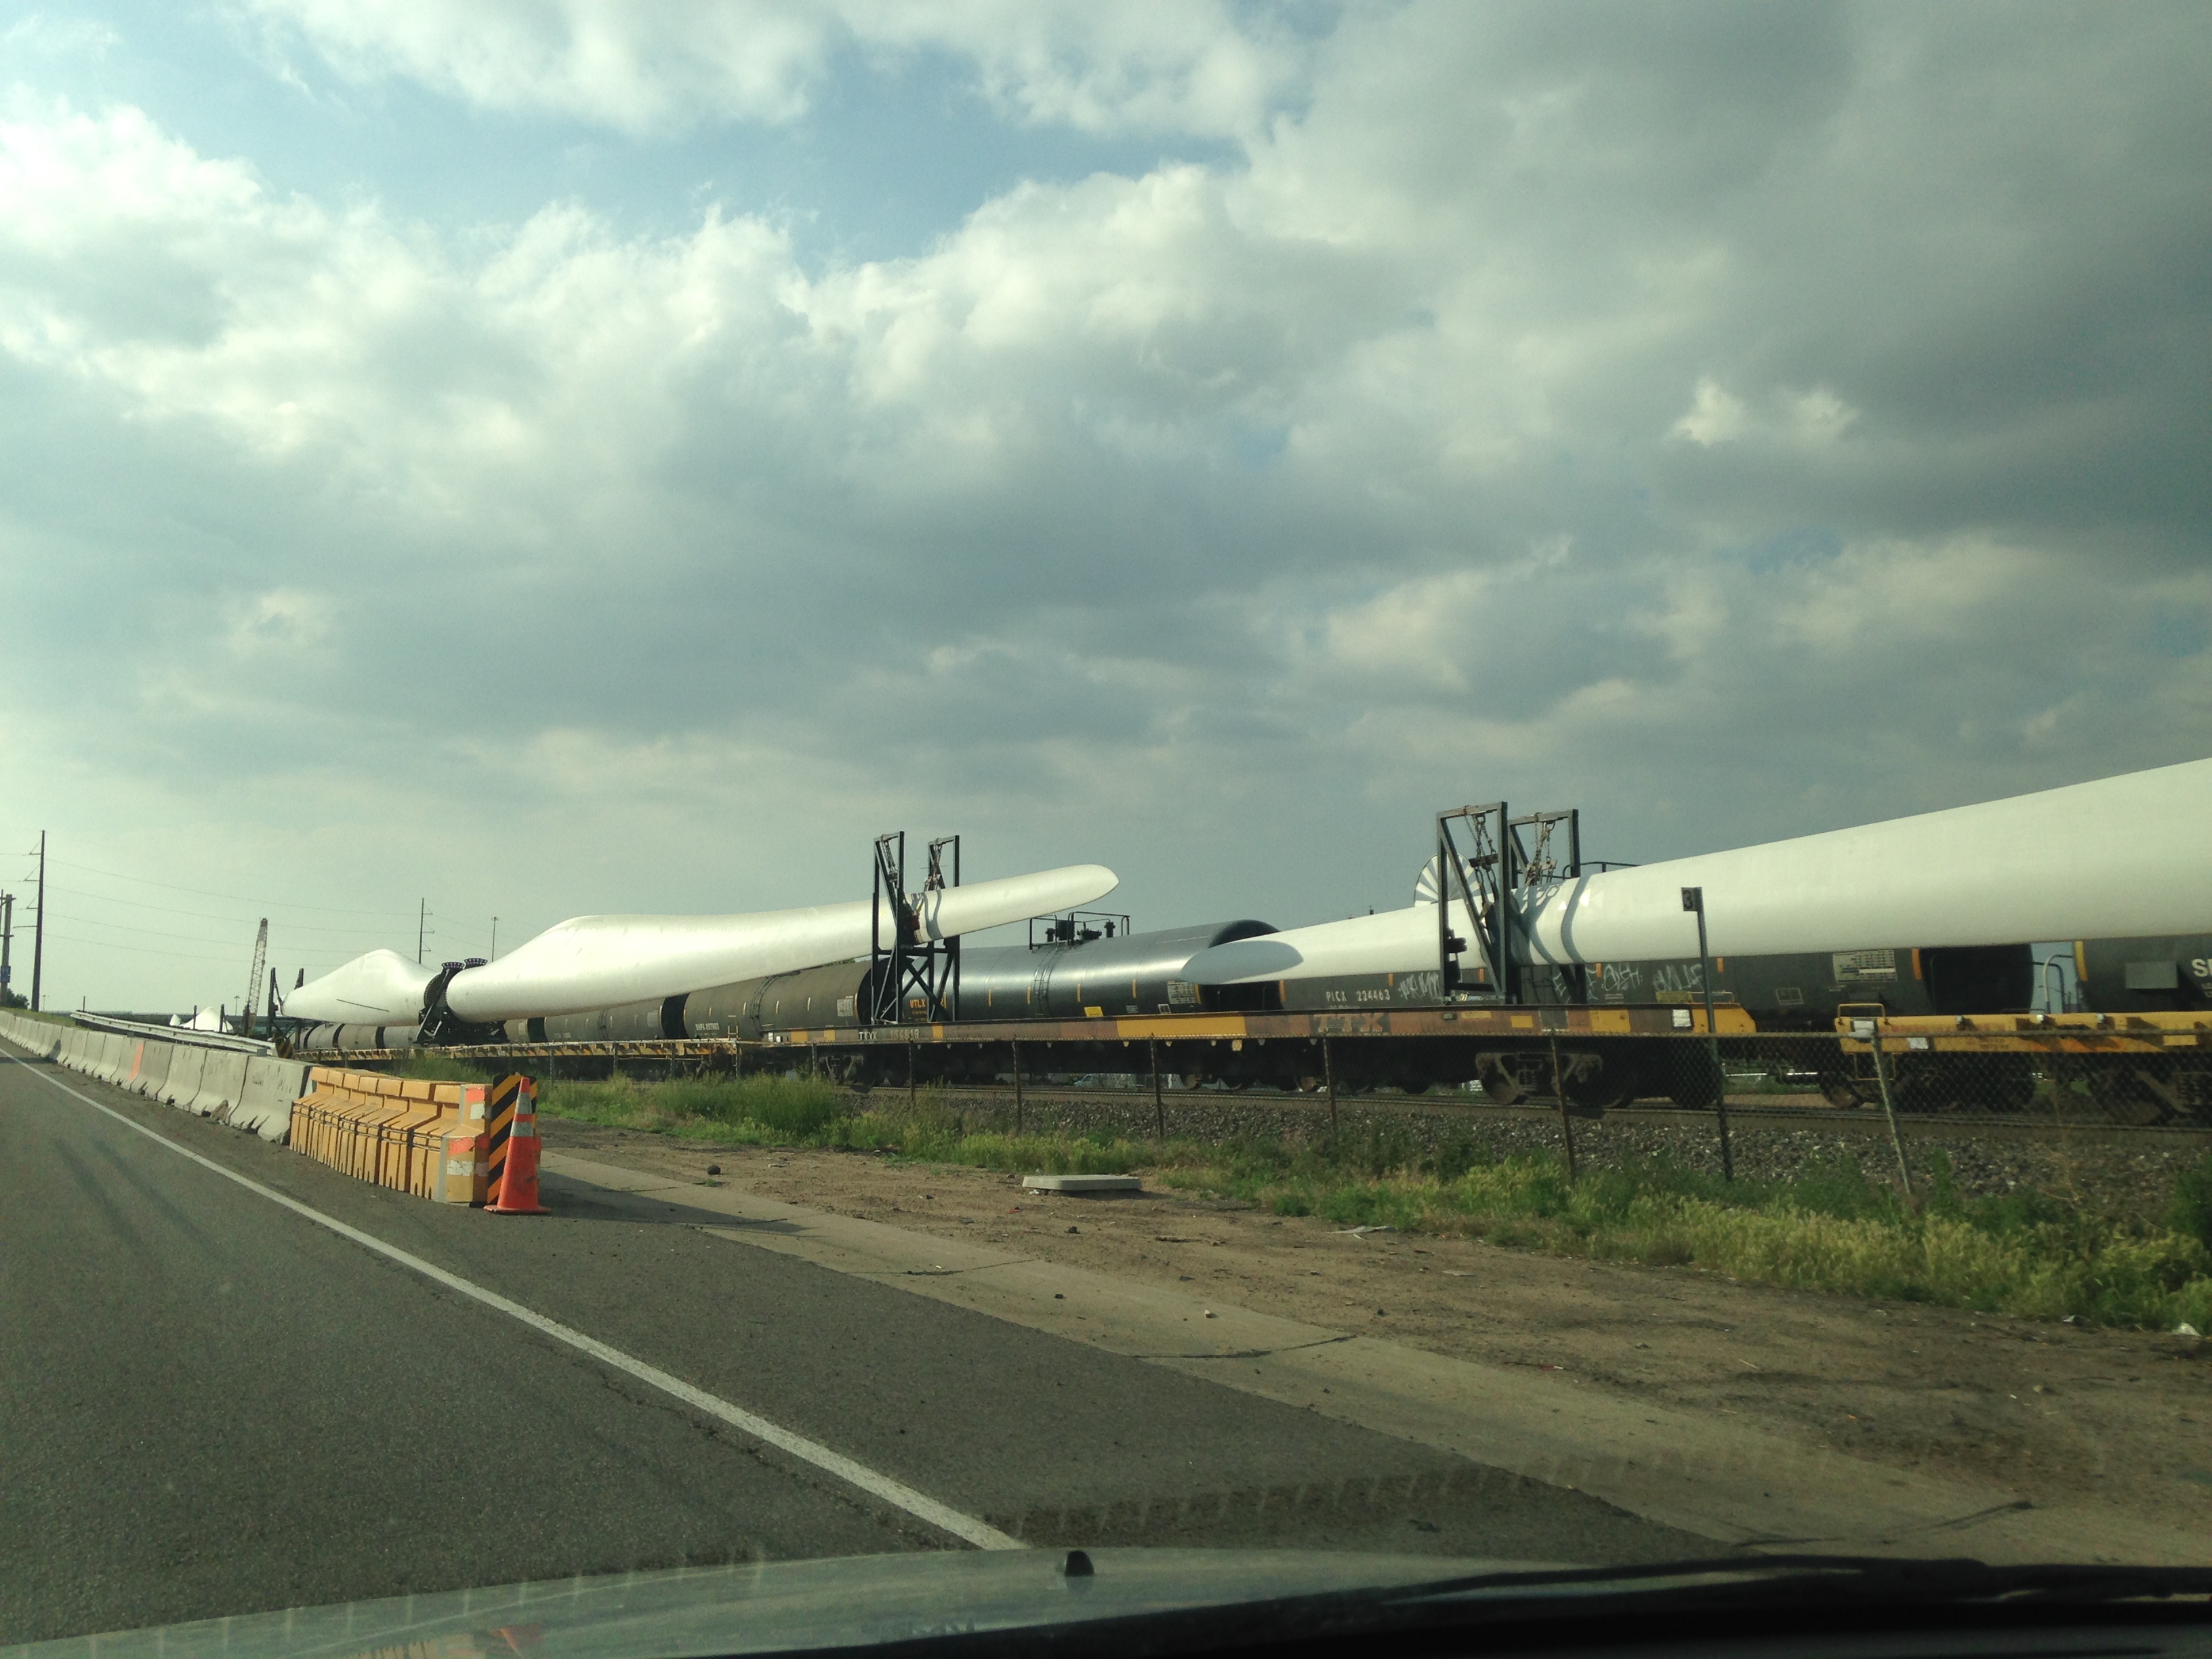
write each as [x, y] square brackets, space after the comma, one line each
[36, 35]
[283, 621]
[1217, 522]
[1716, 415]
[1819, 416]
[1812, 420]
[654, 66]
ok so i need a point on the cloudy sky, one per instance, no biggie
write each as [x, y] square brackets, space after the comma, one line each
[623, 454]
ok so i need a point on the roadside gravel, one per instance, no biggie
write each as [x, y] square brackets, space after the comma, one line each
[2057, 1414]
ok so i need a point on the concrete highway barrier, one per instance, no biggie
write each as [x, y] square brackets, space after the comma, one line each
[154, 1069]
[182, 1086]
[264, 1102]
[378, 1129]
[41, 1037]
[222, 1080]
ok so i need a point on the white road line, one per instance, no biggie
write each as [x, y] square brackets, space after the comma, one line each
[967, 1528]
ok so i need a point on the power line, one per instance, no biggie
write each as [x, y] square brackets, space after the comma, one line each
[150, 932]
[313, 969]
[210, 915]
[209, 892]
[136, 950]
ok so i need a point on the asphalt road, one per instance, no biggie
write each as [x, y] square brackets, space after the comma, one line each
[209, 1404]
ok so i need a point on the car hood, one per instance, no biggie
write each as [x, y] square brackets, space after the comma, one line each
[773, 1607]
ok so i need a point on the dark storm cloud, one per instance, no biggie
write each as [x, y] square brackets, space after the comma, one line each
[1735, 420]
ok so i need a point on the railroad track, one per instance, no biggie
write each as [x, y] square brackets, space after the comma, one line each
[1779, 1112]
[1790, 1110]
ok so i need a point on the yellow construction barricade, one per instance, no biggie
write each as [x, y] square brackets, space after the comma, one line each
[400, 1132]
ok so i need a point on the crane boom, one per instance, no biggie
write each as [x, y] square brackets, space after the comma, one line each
[254, 976]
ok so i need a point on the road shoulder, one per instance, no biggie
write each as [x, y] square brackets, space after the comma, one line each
[1713, 1473]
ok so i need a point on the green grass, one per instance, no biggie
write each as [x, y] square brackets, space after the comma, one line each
[46, 1015]
[1831, 1229]
[436, 1068]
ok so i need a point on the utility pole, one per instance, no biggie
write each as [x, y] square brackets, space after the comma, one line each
[39, 938]
[422, 928]
[7, 937]
[495, 940]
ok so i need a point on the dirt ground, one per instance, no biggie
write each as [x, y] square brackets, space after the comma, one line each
[2059, 1414]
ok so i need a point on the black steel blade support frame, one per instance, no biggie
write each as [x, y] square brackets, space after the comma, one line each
[1473, 887]
[906, 967]
[1540, 858]
[1486, 860]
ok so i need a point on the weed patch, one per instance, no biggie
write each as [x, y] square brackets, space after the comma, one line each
[1831, 1229]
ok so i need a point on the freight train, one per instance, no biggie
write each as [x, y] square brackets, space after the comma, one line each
[1077, 976]
[1796, 943]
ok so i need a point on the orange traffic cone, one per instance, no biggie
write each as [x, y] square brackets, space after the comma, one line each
[514, 1186]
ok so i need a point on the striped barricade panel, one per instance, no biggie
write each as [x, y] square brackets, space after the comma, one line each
[499, 1108]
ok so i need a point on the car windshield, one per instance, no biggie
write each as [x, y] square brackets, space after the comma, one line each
[821, 815]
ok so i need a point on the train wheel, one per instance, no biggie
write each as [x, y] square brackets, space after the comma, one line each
[1690, 1079]
[1407, 1085]
[1499, 1081]
[1601, 1082]
[2012, 1089]
[2127, 1094]
[1923, 1083]
[1841, 1091]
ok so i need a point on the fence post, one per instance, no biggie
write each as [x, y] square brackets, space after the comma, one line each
[1889, 1106]
[1160, 1107]
[1328, 1073]
[1720, 1097]
[1694, 900]
[1018, 1087]
[1567, 1118]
